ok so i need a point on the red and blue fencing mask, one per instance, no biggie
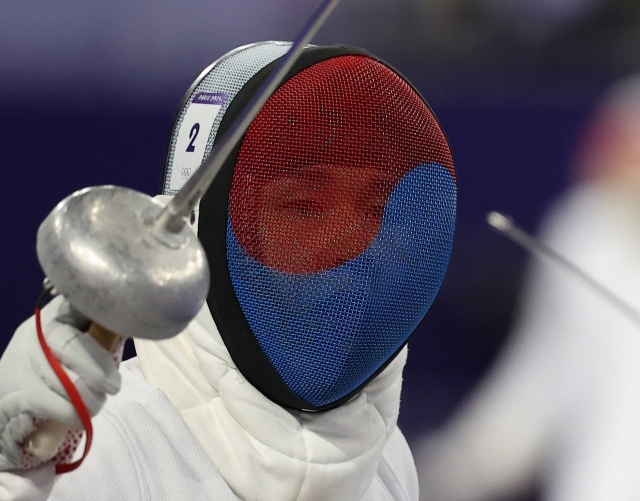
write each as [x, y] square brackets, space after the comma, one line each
[328, 230]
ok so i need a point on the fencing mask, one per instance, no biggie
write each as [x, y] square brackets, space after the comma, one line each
[328, 230]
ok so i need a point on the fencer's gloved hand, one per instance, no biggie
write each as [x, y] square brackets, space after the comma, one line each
[30, 389]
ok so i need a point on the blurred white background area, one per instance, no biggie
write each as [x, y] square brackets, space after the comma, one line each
[560, 408]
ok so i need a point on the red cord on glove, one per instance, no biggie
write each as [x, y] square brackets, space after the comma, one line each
[74, 396]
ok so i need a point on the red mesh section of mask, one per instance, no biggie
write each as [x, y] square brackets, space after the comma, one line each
[318, 163]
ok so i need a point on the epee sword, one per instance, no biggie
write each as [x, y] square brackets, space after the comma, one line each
[130, 264]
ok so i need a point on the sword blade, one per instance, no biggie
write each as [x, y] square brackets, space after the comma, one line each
[173, 216]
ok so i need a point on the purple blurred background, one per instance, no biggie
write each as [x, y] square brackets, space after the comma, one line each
[88, 90]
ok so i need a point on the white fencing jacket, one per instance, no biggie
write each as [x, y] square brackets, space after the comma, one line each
[187, 426]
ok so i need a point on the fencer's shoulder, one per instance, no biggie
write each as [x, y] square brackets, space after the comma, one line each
[396, 477]
[587, 213]
[141, 440]
[135, 388]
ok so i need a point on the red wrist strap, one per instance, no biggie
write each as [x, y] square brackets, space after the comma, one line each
[74, 396]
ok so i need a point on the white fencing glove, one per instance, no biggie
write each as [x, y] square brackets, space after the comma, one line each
[29, 388]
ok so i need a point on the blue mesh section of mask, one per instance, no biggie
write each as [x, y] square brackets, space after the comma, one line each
[326, 333]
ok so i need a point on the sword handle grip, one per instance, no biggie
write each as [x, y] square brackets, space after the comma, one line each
[45, 441]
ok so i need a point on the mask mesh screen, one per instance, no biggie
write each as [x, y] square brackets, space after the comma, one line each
[341, 219]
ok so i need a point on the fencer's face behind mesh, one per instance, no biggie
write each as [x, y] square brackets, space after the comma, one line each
[334, 229]
[320, 161]
[317, 217]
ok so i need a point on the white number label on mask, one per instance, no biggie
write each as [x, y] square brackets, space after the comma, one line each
[193, 135]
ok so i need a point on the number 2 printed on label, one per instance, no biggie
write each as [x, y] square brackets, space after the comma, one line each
[193, 133]
[196, 126]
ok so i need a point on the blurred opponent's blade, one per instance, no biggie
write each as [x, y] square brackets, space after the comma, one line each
[505, 225]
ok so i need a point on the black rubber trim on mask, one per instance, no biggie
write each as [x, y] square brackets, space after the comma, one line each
[223, 303]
